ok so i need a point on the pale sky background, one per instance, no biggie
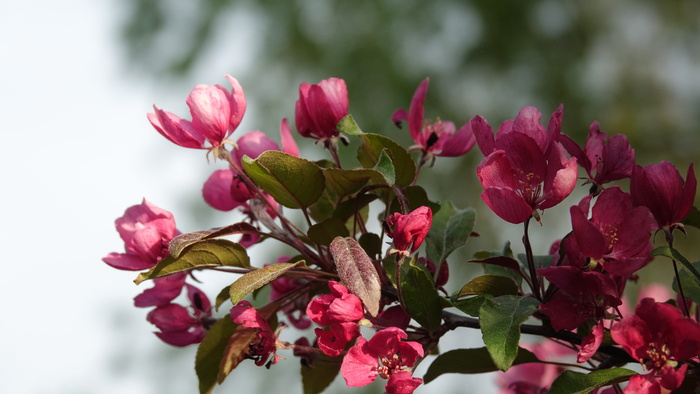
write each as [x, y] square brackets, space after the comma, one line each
[77, 150]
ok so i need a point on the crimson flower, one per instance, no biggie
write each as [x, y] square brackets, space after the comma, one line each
[409, 231]
[616, 235]
[385, 355]
[580, 296]
[179, 326]
[146, 231]
[659, 337]
[340, 311]
[525, 169]
[263, 347]
[660, 188]
[215, 112]
[320, 107]
[433, 138]
[604, 159]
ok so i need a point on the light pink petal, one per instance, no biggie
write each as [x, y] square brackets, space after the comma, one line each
[496, 170]
[643, 384]
[211, 112]
[528, 123]
[127, 261]
[359, 367]
[253, 144]
[336, 93]
[178, 131]
[217, 190]
[288, 143]
[238, 102]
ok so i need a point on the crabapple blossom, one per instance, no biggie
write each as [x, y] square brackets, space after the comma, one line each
[433, 138]
[340, 311]
[263, 348]
[525, 168]
[386, 355]
[320, 107]
[215, 112]
[409, 231]
[179, 326]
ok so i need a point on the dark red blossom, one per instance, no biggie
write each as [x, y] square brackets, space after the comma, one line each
[580, 296]
[385, 355]
[617, 235]
[660, 188]
[409, 231]
[659, 337]
[604, 159]
[525, 169]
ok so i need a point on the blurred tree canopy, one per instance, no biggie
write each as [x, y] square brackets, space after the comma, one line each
[632, 65]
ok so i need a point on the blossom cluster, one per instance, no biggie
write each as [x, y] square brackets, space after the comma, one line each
[370, 307]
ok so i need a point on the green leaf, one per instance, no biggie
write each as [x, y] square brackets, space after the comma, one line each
[371, 243]
[357, 272]
[211, 351]
[323, 233]
[691, 288]
[494, 285]
[178, 244]
[292, 181]
[421, 299]
[472, 305]
[342, 182]
[253, 280]
[320, 374]
[470, 361]
[570, 382]
[450, 230]
[206, 253]
[500, 319]
[385, 167]
[223, 296]
[370, 149]
[348, 126]
[676, 255]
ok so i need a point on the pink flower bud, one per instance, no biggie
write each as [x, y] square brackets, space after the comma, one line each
[320, 107]
[409, 231]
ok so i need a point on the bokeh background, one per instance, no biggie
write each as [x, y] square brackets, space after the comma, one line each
[77, 78]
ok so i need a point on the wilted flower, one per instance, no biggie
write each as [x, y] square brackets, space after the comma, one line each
[320, 107]
[264, 346]
[215, 112]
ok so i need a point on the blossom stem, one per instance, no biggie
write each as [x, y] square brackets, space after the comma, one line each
[669, 240]
[399, 261]
[531, 262]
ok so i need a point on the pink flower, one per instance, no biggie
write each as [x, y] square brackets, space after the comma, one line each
[146, 231]
[604, 159]
[617, 235]
[409, 231]
[437, 138]
[179, 326]
[525, 169]
[660, 188]
[384, 355]
[320, 107]
[215, 112]
[659, 337]
[263, 348]
[164, 290]
[340, 311]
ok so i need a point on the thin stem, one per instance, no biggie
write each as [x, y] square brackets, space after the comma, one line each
[669, 240]
[399, 261]
[531, 263]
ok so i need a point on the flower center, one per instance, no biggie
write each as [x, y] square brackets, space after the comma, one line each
[657, 356]
[389, 366]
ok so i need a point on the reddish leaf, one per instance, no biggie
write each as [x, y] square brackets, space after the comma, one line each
[357, 272]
